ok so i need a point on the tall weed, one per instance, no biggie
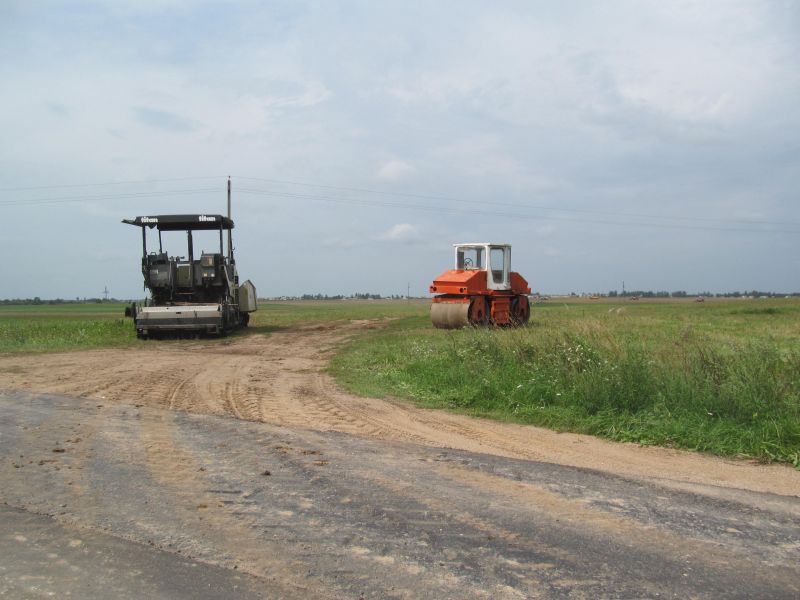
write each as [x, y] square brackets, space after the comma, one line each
[734, 396]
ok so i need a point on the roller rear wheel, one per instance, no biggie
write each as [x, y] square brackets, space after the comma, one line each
[520, 310]
[478, 312]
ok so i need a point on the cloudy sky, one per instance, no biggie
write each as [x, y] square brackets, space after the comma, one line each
[652, 142]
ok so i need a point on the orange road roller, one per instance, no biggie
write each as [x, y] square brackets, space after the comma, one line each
[480, 290]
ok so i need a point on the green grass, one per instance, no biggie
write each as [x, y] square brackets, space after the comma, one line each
[47, 328]
[279, 315]
[721, 377]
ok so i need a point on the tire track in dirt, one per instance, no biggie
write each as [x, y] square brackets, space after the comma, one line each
[62, 451]
[175, 468]
[351, 517]
[281, 379]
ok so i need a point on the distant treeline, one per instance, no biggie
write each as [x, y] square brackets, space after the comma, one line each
[683, 294]
[363, 296]
[367, 296]
[37, 301]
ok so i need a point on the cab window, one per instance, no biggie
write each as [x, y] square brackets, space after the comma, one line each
[497, 260]
[470, 258]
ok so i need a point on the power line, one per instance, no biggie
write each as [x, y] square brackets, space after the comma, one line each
[132, 182]
[453, 210]
[389, 203]
[514, 204]
[129, 195]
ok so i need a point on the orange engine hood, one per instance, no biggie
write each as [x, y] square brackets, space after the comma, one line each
[461, 282]
[458, 281]
[519, 285]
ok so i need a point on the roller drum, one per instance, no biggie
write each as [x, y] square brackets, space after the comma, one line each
[450, 315]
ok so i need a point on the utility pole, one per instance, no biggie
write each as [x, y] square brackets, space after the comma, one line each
[105, 292]
[408, 292]
[623, 287]
[230, 237]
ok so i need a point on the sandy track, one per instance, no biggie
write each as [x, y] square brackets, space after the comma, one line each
[280, 379]
[346, 516]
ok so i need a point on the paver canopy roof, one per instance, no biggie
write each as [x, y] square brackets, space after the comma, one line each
[181, 222]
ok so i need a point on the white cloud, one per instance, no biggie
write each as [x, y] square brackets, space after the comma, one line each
[683, 110]
[402, 232]
[545, 230]
[394, 170]
[163, 119]
[341, 243]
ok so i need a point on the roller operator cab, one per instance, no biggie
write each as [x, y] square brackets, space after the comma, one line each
[189, 294]
[480, 290]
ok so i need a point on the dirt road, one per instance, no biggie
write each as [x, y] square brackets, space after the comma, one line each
[280, 379]
[310, 514]
[321, 494]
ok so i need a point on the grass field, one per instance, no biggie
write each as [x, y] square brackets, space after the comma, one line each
[59, 327]
[52, 327]
[722, 376]
[275, 315]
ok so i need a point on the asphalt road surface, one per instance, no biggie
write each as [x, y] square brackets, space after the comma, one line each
[102, 500]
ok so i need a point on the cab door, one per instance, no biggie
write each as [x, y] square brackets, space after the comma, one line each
[499, 265]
